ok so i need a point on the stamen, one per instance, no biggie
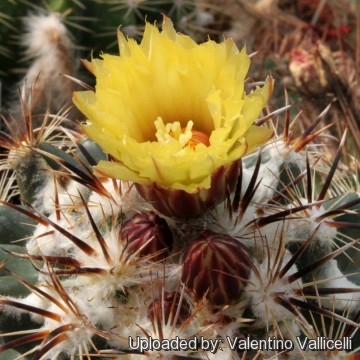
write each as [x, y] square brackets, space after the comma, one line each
[185, 136]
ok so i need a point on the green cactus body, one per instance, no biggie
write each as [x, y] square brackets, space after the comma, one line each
[15, 226]
[31, 175]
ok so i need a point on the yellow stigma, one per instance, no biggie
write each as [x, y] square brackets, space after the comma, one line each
[184, 136]
[173, 132]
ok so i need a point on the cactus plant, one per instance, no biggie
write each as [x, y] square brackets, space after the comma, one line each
[182, 218]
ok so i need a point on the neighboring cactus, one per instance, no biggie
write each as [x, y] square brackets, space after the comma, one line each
[249, 237]
[52, 36]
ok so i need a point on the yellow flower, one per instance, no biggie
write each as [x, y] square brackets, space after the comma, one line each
[171, 112]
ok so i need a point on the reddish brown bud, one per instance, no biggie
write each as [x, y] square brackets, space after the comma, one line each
[216, 266]
[148, 232]
[169, 307]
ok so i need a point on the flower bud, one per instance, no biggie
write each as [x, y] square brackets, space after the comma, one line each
[168, 307]
[216, 266]
[148, 234]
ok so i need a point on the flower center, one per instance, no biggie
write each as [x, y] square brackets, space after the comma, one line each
[166, 133]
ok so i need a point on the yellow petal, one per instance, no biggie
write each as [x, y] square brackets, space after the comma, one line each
[170, 77]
